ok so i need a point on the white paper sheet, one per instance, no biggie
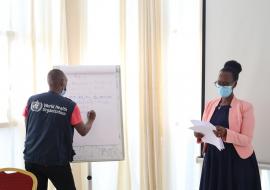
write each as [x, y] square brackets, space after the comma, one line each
[206, 128]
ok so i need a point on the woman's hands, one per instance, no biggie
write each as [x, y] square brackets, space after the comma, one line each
[199, 137]
[220, 132]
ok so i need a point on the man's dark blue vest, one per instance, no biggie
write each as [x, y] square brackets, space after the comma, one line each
[49, 133]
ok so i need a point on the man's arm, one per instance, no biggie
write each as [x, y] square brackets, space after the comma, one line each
[25, 114]
[82, 128]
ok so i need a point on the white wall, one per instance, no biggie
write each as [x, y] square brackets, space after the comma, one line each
[240, 30]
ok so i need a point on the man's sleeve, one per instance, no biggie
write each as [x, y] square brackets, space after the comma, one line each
[76, 116]
[25, 112]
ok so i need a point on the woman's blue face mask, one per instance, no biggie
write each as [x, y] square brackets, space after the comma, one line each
[224, 91]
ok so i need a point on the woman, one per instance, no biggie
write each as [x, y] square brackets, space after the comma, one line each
[235, 167]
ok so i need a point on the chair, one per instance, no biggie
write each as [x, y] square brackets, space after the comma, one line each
[17, 179]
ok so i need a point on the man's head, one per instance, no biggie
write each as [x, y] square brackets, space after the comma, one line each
[57, 80]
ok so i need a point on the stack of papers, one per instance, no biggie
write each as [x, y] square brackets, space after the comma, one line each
[206, 128]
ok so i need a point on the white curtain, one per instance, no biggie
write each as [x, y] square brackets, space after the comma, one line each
[158, 35]
[33, 37]
[151, 95]
[182, 38]
[36, 41]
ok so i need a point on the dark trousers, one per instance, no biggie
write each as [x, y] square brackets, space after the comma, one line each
[60, 176]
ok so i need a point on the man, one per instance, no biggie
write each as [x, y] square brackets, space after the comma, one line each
[50, 120]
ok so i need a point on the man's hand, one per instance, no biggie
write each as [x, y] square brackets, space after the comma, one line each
[91, 115]
[82, 128]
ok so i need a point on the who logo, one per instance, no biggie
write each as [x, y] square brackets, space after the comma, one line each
[36, 106]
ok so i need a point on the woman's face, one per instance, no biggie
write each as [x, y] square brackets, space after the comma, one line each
[226, 79]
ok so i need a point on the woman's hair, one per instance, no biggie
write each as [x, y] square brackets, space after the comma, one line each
[233, 67]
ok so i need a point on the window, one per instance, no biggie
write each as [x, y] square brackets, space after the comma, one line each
[3, 77]
[103, 33]
[182, 63]
[5, 37]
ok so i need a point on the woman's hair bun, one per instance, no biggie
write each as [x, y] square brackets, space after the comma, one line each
[234, 66]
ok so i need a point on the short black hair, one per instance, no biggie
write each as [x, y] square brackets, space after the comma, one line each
[233, 67]
[55, 77]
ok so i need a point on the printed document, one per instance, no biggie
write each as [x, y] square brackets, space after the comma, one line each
[207, 128]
